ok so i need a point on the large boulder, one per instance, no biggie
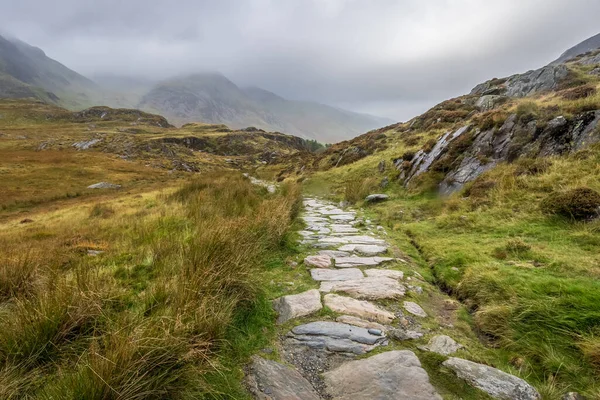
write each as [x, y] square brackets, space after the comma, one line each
[387, 376]
[494, 382]
[374, 198]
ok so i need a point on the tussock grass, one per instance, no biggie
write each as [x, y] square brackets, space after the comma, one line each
[163, 313]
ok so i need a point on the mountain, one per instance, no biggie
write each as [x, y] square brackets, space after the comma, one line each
[26, 71]
[551, 111]
[212, 98]
[590, 44]
[309, 119]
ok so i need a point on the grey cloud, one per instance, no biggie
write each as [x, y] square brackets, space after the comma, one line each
[387, 57]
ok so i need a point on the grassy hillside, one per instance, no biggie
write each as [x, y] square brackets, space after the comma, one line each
[510, 245]
[153, 290]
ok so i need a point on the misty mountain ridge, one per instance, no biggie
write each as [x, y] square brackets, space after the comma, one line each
[212, 98]
[26, 71]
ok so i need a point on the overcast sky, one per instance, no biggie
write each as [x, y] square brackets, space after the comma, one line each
[393, 58]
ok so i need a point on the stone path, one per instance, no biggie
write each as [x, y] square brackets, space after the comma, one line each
[358, 279]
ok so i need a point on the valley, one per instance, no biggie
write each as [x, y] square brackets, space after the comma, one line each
[184, 248]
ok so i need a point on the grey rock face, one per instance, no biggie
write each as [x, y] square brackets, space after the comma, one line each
[422, 161]
[443, 345]
[270, 380]
[496, 383]
[386, 376]
[489, 102]
[297, 305]
[374, 198]
[522, 85]
[104, 185]
[387, 273]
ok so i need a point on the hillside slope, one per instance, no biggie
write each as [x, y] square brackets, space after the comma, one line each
[212, 98]
[25, 66]
[497, 192]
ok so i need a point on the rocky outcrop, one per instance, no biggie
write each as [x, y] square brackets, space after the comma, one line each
[522, 85]
[517, 137]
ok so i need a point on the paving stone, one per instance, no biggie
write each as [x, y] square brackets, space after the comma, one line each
[496, 383]
[321, 261]
[333, 253]
[414, 309]
[387, 376]
[442, 344]
[359, 308]
[336, 274]
[368, 250]
[349, 262]
[297, 305]
[343, 217]
[310, 220]
[384, 273]
[335, 337]
[362, 323]
[374, 288]
[270, 380]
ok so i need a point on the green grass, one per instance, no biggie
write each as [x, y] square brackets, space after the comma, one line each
[529, 281]
[173, 308]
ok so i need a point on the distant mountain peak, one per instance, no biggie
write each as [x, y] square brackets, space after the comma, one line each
[590, 44]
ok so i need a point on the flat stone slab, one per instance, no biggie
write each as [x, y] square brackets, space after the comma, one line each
[270, 380]
[387, 376]
[337, 330]
[335, 337]
[442, 344]
[365, 240]
[334, 253]
[343, 217]
[337, 211]
[297, 305]
[369, 250]
[336, 274]
[343, 229]
[362, 323]
[309, 220]
[384, 273]
[358, 308]
[414, 309]
[349, 262]
[496, 383]
[374, 288]
[321, 261]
